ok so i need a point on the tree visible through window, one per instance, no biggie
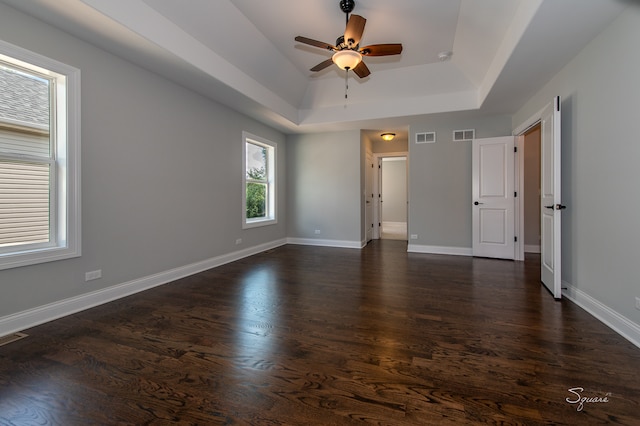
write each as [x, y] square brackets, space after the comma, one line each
[259, 182]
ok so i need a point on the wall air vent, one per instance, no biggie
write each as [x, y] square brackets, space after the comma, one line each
[426, 137]
[464, 135]
[5, 340]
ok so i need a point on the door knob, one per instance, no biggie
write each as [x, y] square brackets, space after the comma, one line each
[560, 207]
[475, 203]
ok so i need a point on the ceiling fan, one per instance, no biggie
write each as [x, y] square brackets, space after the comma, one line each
[348, 53]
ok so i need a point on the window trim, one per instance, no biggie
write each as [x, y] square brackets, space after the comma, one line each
[66, 200]
[272, 149]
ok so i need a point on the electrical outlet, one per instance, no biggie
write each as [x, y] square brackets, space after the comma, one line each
[93, 275]
[414, 236]
[317, 232]
[239, 241]
[637, 302]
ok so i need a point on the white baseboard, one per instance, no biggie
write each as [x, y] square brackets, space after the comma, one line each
[454, 251]
[531, 248]
[618, 323]
[394, 224]
[326, 243]
[32, 317]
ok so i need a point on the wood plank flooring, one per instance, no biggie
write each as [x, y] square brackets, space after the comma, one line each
[311, 335]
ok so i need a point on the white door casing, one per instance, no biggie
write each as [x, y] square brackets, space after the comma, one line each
[377, 189]
[493, 197]
[370, 175]
[550, 199]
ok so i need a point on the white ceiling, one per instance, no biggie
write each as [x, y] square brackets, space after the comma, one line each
[242, 52]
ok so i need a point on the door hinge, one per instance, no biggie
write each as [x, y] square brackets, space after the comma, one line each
[515, 194]
[515, 239]
[515, 149]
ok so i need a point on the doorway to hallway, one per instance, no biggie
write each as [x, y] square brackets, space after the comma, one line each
[393, 197]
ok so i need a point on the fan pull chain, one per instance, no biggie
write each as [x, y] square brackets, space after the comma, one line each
[346, 83]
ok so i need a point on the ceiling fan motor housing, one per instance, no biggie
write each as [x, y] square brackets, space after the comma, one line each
[347, 5]
[342, 44]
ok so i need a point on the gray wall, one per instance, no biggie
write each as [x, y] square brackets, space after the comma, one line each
[161, 174]
[394, 189]
[161, 188]
[325, 186]
[396, 145]
[440, 179]
[600, 89]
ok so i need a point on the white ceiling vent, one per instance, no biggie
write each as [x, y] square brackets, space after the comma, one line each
[426, 137]
[464, 135]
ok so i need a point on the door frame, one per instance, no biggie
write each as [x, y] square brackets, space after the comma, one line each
[370, 178]
[519, 132]
[377, 188]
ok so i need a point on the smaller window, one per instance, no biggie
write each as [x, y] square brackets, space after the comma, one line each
[259, 189]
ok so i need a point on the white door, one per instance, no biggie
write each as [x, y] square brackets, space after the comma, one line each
[550, 202]
[493, 197]
[370, 174]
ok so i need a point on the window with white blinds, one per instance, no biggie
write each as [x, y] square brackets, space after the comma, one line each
[39, 155]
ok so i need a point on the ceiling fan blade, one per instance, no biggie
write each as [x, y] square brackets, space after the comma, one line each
[354, 30]
[322, 65]
[382, 49]
[316, 43]
[361, 70]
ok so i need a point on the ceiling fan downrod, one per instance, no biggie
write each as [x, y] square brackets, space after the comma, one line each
[347, 7]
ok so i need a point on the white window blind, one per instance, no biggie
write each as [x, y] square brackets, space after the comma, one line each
[24, 203]
[26, 162]
[14, 143]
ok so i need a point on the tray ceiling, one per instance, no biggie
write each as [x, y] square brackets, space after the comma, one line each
[242, 52]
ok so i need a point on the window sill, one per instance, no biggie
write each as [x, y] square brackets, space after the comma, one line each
[36, 256]
[255, 223]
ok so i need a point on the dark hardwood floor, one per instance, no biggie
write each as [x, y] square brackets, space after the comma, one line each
[310, 335]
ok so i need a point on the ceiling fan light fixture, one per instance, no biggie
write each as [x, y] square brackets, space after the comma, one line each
[388, 136]
[347, 59]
